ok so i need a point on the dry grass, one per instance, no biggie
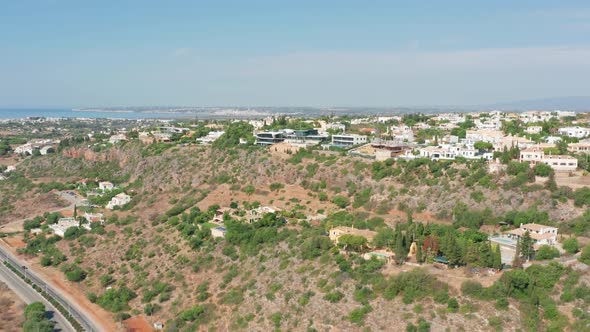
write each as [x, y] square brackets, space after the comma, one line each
[11, 310]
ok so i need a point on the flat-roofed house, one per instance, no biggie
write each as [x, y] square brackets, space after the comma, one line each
[580, 147]
[218, 232]
[345, 140]
[533, 129]
[63, 224]
[94, 217]
[535, 155]
[270, 137]
[578, 132]
[119, 200]
[105, 186]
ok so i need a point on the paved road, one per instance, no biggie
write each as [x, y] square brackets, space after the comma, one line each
[79, 314]
[29, 295]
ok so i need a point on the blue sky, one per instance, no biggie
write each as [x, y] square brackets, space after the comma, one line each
[306, 53]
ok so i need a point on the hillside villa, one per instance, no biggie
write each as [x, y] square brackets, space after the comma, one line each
[541, 234]
[535, 155]
[63, 224]
[106, 186]
[119, 200]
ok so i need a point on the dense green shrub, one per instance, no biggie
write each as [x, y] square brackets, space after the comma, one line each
[115, 300]
[340, 201]
[36, 319]
[571, 245]
[585, 256]
[546, 252]
[74, 272]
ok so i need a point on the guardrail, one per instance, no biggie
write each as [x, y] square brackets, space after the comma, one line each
[77, 319]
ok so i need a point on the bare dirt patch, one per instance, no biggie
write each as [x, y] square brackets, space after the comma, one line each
[284, 198]
[137, 324]
[33, 205]
[15, 242]
[11, 310]
[454, 277]
[573, 180]
[401, 216]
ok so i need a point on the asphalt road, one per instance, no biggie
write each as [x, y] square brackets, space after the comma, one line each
[29, 295]
[84, 319]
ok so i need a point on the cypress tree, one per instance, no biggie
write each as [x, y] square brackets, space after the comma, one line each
[419, 255]
[497, 258]
[526, 246]
[400, 250]
[517, 262]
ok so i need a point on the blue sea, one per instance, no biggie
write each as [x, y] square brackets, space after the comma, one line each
[19, 113]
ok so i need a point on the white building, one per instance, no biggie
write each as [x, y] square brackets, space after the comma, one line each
[535, 155]
[117, 138]
[218, 232]
[420, 126]
[63, 224]
[535, 116]
[345, 140]
[580, 147]
[94, 217]
[553, 139]
[488, 125]
[562, 114]
[402, 133]
[257, 213]
[211, 137]
[270, 137]
[450, 152]
[578, 132]
[336, 126]
[105, 186]
[454, 118]
[119, 200]
[533, 130]
[24, 149]
[484, 135]
[541, 234]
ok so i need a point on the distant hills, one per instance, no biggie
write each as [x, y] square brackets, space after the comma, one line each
[577, 103]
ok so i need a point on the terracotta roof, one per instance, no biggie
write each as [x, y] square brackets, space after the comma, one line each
[535, 227]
